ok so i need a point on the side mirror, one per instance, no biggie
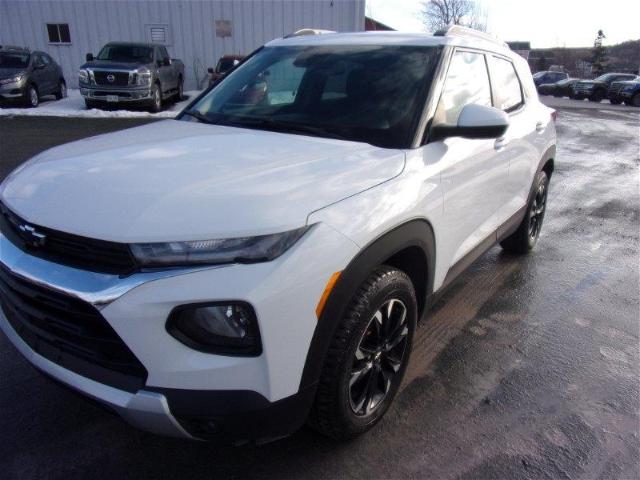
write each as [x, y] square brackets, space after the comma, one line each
[210, 70]
[166, 62]
[89, 57]
[476, 122]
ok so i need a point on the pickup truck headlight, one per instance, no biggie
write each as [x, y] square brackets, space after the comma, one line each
[83, 76]
[261, 248]
[144, 77]
[15, 79]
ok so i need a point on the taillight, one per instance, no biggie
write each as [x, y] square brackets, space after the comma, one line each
[554, 115]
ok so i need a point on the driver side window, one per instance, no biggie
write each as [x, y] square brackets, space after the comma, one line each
[467, 82]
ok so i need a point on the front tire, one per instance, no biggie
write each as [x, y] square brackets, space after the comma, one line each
[597, 96]
[367, 357]
[33, 97]
[615, 101]
[635, 100]
[156, 99]
[526, 236]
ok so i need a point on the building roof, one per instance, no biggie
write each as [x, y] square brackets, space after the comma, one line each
[374, 25]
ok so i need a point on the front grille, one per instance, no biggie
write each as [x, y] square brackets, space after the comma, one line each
[582, 88]
[65, 248]
[69, 332]
[120, 79]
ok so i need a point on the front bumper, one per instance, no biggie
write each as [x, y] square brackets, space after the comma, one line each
[189, 393]
[104, 94]
[12, 91]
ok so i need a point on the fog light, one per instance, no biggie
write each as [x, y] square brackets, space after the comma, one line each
[227, 328]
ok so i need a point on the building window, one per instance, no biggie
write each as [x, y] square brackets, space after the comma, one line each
[58, 33]
[158, 34]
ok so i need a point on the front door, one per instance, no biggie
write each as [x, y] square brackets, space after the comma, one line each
[474, 174]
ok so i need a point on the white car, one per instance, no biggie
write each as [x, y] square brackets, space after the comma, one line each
[262, 260]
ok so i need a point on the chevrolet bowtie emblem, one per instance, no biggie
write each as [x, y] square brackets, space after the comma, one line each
[32, 236]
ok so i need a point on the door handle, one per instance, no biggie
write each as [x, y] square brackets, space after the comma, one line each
[539, 127]
[500, 143]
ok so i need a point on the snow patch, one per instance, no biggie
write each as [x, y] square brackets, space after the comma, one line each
[73, 106]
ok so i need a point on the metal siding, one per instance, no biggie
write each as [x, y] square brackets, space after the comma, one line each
[192, 33]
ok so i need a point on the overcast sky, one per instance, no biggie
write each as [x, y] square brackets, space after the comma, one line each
[545, 23]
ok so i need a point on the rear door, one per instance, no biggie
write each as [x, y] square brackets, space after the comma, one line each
[521, 141]
[474, 172]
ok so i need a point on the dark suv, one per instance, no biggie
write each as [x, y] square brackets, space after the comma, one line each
[26, 76]
[596, 90]
[540, 78]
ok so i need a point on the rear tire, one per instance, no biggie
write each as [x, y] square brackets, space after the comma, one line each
[367, 357]
[526, 236]
[180, 93]
[62, 90]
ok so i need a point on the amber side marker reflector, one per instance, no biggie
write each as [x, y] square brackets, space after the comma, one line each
[327, 291]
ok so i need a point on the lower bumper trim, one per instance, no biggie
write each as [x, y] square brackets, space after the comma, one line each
[144, 409]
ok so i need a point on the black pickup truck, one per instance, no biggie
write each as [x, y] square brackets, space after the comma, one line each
[141, 73]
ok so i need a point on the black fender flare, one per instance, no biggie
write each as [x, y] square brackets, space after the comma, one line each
[548, 155]
[415, 233]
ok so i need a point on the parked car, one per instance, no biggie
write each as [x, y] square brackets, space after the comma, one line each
[258, 262]
[27, 76]
[548, 77]
[563, 88]
[627, 92]
[131, 73]
[225, 64]
[596, 90]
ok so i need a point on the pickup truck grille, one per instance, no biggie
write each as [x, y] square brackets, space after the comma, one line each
[65, 248]
[69, 332]
[120, 79]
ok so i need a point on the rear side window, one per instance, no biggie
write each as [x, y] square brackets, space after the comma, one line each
[506, 85]
[467, 82]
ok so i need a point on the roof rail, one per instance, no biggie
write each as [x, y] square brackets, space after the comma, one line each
[459, 31]
[308, 31]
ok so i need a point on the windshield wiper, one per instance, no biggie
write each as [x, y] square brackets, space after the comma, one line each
[285, 127]
[198, 116]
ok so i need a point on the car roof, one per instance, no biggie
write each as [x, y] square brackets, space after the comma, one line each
[136, 44]
[392, 38]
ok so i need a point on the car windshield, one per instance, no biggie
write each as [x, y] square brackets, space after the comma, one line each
[14, 60]
[605, 77]
[538, 74]
[126, 53]
[367, 93]
[565, 81]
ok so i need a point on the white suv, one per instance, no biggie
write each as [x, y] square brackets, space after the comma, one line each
[262, 260]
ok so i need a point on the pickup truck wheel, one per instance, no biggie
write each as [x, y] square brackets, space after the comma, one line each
[615, 101]
[635, 100]
[156, 99]
[525, 238]
[89, 104]
[367, 356]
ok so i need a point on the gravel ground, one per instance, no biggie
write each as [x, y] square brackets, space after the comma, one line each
[528, 368]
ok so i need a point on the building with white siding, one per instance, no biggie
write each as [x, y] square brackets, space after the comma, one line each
[198, 32]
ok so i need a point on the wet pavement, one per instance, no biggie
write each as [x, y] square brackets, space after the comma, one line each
[527, 368]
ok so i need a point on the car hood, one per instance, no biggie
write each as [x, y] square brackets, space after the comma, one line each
[10, 72]
[108, 64]
[178, 180]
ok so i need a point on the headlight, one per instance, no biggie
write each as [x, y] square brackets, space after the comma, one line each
[228, 328]
[14, 79]
[144, 77]
[83, 76]
[227, 250]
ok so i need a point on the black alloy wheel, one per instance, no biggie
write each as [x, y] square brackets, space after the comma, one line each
[378, 358]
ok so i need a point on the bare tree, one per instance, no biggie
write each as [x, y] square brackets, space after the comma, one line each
[438, 14]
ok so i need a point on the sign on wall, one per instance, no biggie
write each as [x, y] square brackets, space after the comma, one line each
[223, 28]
